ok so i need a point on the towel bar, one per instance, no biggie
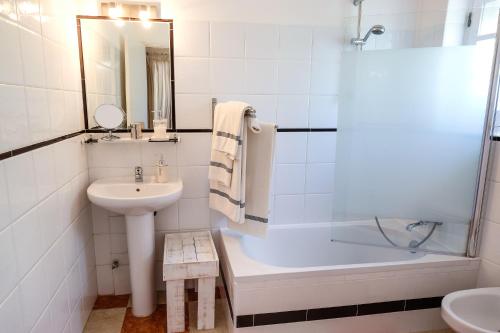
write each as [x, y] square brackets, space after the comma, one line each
[250, 112]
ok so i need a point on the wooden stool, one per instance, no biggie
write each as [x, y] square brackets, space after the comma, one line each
[190, 255]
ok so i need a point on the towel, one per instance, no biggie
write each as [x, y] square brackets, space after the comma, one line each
[230, 199]
[229, 119]
[259, 166]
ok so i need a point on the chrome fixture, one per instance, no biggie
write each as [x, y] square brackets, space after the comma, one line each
[138, 174]
[357, 2]
[412, 226]
[376, 30]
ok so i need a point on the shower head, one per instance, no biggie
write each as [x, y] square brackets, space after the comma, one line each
[376, 30]
[357, 2]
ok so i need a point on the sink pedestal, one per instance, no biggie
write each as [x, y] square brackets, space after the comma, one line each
[141, 252]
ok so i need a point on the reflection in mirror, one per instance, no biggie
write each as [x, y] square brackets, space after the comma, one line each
[128, 63]
[109, 117]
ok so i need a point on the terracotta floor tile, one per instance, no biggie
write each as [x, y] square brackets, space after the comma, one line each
[111, 301]
[156, 323]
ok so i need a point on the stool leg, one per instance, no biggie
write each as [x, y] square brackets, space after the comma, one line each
[206, 303]
[175, 306]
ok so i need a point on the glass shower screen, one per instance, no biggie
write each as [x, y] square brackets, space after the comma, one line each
[408, 145]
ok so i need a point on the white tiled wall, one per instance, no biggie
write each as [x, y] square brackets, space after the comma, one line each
[47, 263]
[489, 273]
[47, 270]
[40, 85]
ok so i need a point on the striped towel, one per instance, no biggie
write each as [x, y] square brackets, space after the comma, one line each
[227, 166]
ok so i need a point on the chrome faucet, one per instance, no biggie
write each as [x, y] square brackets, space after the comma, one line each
[138, 174]
[412, 226]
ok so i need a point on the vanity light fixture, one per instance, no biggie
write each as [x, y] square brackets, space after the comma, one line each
[144, 16]
[116, 11]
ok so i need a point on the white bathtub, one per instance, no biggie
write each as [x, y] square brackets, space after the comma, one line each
[298, 268]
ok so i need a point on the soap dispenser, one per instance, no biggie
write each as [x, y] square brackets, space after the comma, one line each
[161, 171]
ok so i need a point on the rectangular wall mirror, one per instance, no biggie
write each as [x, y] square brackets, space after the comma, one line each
[128, 63]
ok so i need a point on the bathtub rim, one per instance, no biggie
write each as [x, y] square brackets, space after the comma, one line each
[246, 269]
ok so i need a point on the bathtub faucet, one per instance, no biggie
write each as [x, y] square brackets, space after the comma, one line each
[412, 226]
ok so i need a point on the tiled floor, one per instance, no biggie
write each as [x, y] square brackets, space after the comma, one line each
[113, 314]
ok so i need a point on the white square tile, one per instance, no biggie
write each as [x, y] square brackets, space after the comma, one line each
[53, 55]
[293, 111]
[121, 280]
[192, 75]
[28, 241]
[5, 219]
[55, 270]
[319, 207]
[168, 219]
[21, 183]
[11, 66]
[45, 171]
[129, 155]
[14, 128]
[295, 42]
[117, 225]
[194, 214]
[38, 113]
[191, 39]
[193, 111]
[490, 248]
[194, 149]
[492, 211]
[261, 76]
[327, 43]
[321, 147]
[50, 220]
[34, 296]
[195, 181]
[261, 41]
[105, 284]
[320, 178]
[43, 324]
[33, 62]
[227, 40]
[100, 220]
[11, 314]
[59, 309]
[8, 269]
[289, 209]
[55, 100]
[118, 243]
[102, 243]
[227, 76]
[325, 78]
[323, 112]
[290, 178]
[294, 77]
[74, 287]
[291, 147]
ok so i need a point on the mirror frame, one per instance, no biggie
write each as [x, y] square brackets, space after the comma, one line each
[82, 67]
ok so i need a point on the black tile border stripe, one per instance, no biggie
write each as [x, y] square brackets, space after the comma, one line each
[355, 310]
[209, 130]
[38, 145]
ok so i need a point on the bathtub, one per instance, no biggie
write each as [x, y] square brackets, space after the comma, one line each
[297, 279]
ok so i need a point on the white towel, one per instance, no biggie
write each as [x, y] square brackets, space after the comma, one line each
[229, 119]
[230, 200]
[259, 166]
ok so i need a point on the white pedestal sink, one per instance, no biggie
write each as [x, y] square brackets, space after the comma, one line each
[473, 310]
[138, 202]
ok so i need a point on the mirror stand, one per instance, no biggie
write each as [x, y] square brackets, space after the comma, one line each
[110, 136]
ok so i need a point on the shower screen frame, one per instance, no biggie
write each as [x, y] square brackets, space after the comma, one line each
[474, 239]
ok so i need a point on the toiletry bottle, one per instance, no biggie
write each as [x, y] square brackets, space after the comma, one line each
[161, 171]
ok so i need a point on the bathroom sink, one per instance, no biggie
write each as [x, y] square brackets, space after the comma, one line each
[137, 201]
[125, 196]
[473, 310]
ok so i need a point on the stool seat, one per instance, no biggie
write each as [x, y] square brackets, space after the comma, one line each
[190, 255]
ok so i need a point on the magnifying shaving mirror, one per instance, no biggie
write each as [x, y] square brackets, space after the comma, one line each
[109, 117]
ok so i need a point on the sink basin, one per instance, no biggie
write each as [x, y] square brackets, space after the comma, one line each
[125, 196]
[473, 310]
[138, 202]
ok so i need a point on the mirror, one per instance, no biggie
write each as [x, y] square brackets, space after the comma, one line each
[109, 117]
[127, 63]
